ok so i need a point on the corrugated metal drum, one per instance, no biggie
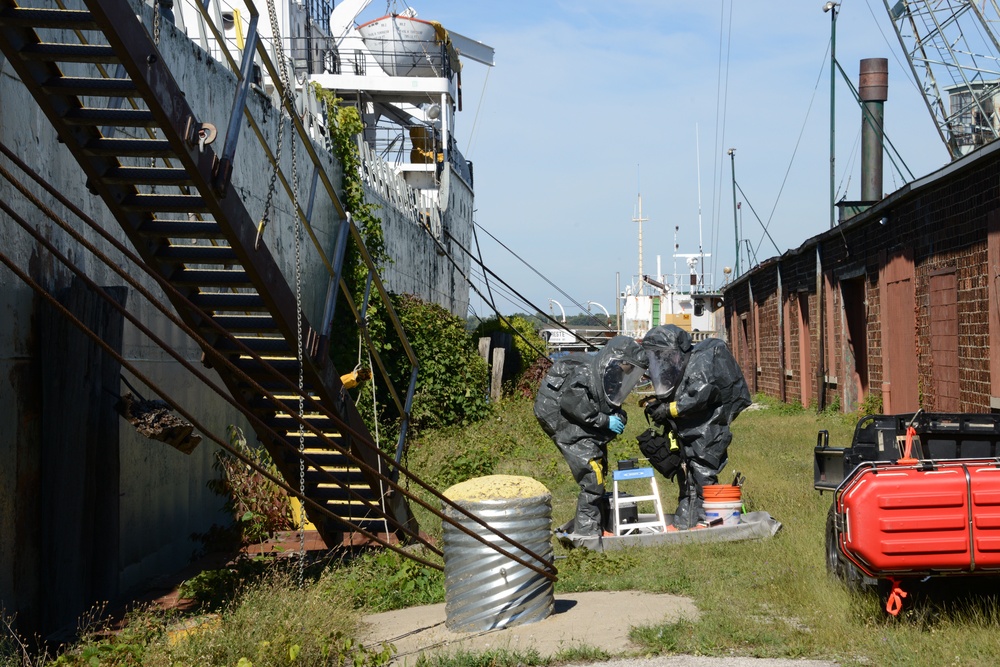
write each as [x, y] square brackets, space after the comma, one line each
[484, 589]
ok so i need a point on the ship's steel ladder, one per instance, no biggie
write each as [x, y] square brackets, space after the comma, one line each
[166, 192]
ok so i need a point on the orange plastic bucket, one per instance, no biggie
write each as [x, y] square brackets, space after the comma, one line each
[723, 501]
[722, 492]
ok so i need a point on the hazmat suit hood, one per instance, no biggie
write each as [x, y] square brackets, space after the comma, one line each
[668, 348]
[619, 365]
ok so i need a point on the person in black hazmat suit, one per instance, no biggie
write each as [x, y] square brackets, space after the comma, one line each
[579, 407]
[700, 390]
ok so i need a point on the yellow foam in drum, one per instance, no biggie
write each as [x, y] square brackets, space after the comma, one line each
[495, 487]
[484, 589]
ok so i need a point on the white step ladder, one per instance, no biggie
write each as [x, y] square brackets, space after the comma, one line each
[657, 526]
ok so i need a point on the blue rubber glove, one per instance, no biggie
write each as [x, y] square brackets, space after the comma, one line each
[616, 424]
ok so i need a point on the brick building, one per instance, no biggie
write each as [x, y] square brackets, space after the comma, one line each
[899, 304]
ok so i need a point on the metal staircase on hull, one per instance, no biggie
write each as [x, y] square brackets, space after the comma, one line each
[163, 189]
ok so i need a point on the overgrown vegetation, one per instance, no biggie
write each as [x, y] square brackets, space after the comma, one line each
[528, 346]
[212, 590]
[259, 507]
[268, 621]
[385, 580]
[762, 598]
[451, 385]
[344, 126]
[871, 404]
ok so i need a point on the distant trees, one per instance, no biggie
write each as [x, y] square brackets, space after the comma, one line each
[542, 321]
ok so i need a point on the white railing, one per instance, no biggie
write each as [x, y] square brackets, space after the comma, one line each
[382, 180]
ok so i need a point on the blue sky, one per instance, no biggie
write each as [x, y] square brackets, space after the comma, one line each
[592, 102]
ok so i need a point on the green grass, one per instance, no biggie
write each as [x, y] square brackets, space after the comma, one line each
[764, 598]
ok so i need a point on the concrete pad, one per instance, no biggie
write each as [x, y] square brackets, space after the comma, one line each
[599, 619]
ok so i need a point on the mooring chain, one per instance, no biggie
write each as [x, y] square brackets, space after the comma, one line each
[276, 36]
[286, 95]
[156, 41]
[156, 22]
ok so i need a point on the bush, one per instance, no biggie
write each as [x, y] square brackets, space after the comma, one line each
[528, 345]
[451, 382]
[531, 378]
[259, 506]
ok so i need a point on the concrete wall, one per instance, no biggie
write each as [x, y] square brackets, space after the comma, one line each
[164, 498]
[944, 221]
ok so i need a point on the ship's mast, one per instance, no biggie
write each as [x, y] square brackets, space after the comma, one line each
[640, 220]
[701, 247]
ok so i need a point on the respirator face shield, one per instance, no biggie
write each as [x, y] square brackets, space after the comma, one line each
[620, 378]
[666, 367]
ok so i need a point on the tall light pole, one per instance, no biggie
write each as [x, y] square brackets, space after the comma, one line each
[739, 209]
[561, 309]
[736, 226]
[832, 8]
[606, 313]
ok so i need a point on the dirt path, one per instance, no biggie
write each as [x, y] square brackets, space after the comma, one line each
[597, 619]
[590, 619]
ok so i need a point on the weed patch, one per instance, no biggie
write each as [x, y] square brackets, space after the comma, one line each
[495, 658]
[763, 598]
[213, 589]
[258, 506]
[384, 580]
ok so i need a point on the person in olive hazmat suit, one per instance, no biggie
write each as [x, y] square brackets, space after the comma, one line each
[579, 407]
[700, 390]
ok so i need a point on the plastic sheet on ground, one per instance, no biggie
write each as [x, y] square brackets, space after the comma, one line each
[752, 526]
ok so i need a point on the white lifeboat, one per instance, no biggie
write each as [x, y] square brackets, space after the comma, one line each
[404, 45]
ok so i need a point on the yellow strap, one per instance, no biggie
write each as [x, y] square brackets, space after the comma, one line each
[596, 465]
[260, 232]
[238, 26]
[673, 441]
[673, 409]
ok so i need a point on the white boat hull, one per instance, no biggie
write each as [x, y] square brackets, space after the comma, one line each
[404, 46]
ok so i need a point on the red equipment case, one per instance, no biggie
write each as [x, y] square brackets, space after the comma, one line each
[921, 518]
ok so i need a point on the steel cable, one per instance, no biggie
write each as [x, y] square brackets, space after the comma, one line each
[253, 418]
[167, 286]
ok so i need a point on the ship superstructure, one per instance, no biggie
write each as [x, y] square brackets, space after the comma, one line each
[202, 173]
[688, 299]
[403, 73]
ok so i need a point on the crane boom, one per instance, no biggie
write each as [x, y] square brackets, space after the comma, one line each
[954, 55]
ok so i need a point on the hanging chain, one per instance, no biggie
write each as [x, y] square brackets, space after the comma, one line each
[156, 22]
[283, 72]
[270, 186]
[298, 352]
[287, 95]
[156, 41]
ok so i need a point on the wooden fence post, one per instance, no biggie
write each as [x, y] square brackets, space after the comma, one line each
[496, 381]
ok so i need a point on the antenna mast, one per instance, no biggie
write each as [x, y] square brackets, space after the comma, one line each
[701, 248]
[640, 220]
